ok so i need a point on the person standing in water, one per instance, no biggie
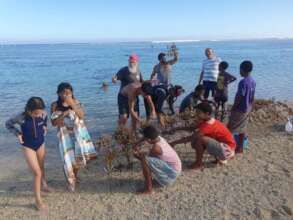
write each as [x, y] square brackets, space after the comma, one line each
[127, 75]
[31, 135]
[209, 73]
[75, 145]
[162, 70]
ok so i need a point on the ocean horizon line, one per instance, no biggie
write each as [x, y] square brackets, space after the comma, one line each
[141, 41]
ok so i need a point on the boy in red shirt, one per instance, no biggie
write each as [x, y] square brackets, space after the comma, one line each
[211, 135]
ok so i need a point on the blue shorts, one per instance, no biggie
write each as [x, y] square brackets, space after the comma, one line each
[209, 86]
[161, 171]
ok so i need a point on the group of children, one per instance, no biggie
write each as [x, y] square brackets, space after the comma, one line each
[162, 163]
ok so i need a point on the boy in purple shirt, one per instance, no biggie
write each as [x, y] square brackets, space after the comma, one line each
[242, 104]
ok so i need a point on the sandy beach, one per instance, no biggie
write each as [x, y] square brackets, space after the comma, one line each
[255, 185]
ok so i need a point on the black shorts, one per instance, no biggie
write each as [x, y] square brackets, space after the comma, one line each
[123, 106]
[221, 97]
[209, 86]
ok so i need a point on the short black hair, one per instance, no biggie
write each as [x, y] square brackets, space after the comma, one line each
[64, 85]
[224, 65]
[199, 88]
[150, 132]
[161, 55]
[147, 88]
[246, 66]
[205, 107]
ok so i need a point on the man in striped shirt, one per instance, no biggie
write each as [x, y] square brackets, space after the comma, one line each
[210, 72]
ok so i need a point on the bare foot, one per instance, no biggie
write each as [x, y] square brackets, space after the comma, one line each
[144, 191]
[41, 207]
[196, 166]
[71, 187]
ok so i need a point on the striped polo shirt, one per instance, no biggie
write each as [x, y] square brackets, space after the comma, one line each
[210, 68]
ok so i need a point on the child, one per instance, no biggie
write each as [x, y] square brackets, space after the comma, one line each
[75, 145]
[243, 104]
[191, 100]
[221, 94]
[33, 124]
[162, 162]
[210, 135]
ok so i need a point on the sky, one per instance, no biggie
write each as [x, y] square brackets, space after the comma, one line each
[135, 20]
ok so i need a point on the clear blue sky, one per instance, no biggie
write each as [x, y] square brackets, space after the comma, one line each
[116, 20]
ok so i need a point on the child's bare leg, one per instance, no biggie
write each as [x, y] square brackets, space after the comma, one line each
[41, 159]
[223, 111]
[147, 176]
[122, 120]
[33, 163]
[198, 144]
[241, 143]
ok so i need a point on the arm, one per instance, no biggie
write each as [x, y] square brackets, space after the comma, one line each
[131, 104]
[151, 104]
[12, 122]
[239, 95]
[77, 108]
[117, 76]
[200, 77]
[155, 151]
[185, 128]
[153, 73]
[60, 120]
[231, 78]
[181, 141]
[174, 60]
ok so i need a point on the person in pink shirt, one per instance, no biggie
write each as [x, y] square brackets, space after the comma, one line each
[161, 163]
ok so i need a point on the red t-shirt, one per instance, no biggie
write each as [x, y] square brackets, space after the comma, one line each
[219, 132]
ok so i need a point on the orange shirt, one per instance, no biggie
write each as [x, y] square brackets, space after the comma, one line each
[218, 131]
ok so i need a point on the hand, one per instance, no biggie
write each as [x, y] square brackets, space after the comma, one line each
[45, 130]
[20, 139]
[136, 152]
[70, 101]
[114, 79]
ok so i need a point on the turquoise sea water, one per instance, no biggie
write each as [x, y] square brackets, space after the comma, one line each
[36, 70]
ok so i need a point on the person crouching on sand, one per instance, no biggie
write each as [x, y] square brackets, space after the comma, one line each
[161, 163]
[208, 134]
[33, 124]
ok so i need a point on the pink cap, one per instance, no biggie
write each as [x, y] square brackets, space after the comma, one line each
[133, 58]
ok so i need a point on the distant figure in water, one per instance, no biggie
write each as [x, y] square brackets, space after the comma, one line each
[162, 70]
[105, 86]
[209, 73]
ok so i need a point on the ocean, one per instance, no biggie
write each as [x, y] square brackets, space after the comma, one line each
[37, 69]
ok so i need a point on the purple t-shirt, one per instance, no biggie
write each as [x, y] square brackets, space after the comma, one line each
[246, 90]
